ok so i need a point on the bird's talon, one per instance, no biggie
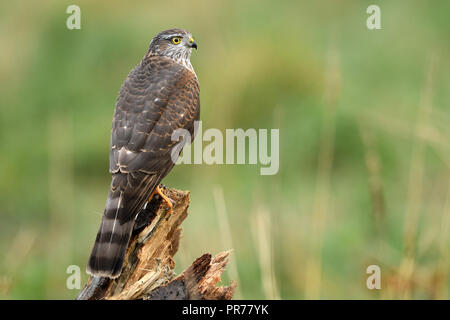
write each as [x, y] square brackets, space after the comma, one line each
[170, 202]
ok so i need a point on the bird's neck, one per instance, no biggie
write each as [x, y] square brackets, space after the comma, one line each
[183, 60]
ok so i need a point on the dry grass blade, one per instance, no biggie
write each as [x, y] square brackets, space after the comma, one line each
[373, 165]
[415, 188]
[262, 235]
[225, 232]
[313, 272]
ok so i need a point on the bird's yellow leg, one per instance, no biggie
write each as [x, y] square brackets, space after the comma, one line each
[163, 196]
[151, 196]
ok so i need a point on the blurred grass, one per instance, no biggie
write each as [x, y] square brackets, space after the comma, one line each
[261, 64]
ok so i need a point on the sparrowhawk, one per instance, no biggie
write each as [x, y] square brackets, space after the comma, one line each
[159, 96]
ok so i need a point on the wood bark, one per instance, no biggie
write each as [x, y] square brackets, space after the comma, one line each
[148, 273]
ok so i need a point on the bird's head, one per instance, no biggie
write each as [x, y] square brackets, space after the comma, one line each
[176, 44]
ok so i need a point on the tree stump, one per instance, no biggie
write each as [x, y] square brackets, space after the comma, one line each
[148, 273]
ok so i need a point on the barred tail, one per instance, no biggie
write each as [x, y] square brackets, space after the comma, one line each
[127, 196]
[112, 239]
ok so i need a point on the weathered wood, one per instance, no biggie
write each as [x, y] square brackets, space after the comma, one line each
[198, 282]
[148, 268]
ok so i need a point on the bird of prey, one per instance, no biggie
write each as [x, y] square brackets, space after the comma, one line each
[159, 96]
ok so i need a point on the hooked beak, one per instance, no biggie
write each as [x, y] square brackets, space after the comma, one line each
[192, 43]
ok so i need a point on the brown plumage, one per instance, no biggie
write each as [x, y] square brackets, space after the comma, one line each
[159, 96]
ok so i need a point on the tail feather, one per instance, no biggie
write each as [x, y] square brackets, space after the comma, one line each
[127, 195]
[111, 243]
[108, 254]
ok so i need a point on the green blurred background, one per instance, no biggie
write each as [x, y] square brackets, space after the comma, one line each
[364, 142]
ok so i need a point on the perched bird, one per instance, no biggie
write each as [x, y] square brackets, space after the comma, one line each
[159, 96]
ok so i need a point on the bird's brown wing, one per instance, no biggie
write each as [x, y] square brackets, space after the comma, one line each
[155, 100]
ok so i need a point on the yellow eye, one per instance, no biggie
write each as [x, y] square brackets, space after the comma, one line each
[176, 40]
